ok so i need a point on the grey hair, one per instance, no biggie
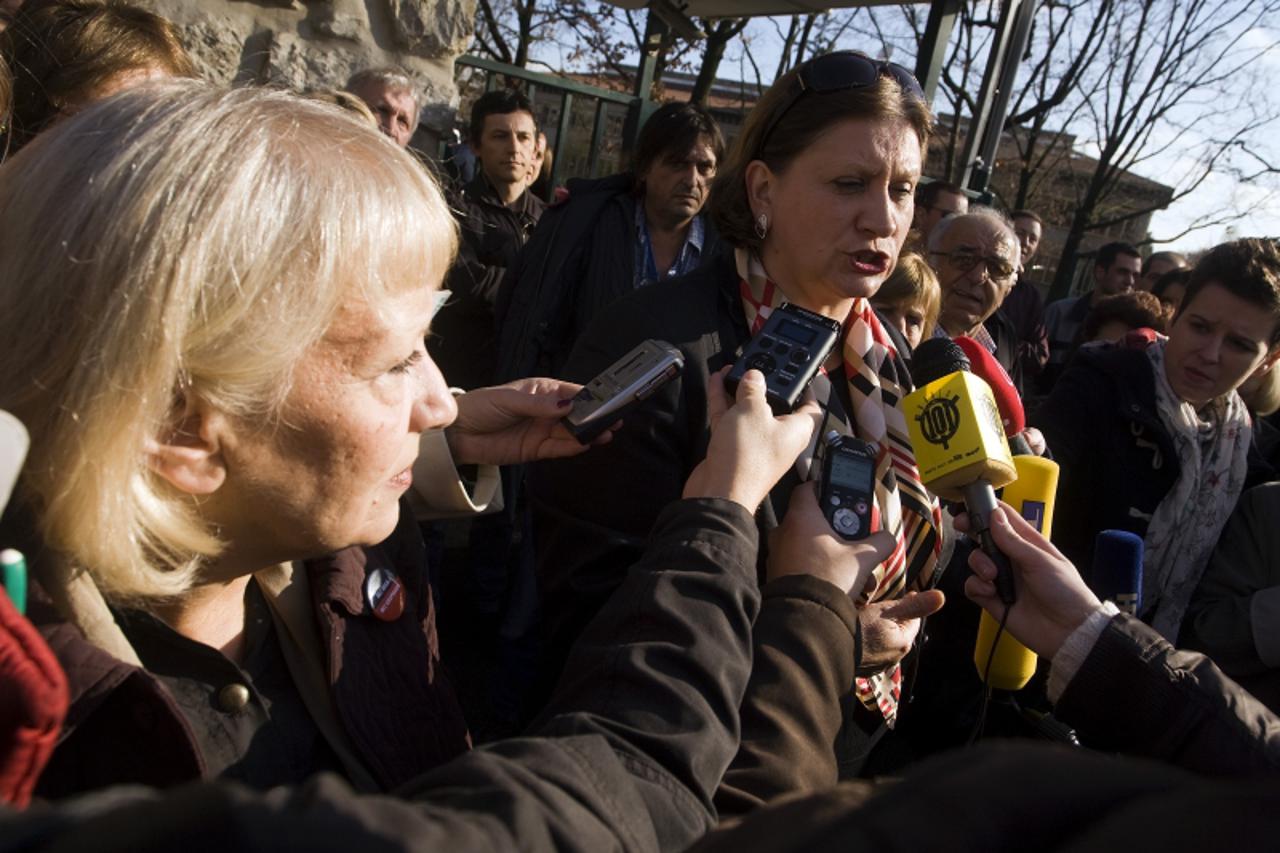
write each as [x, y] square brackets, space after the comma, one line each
[989, 215]
[392, 78]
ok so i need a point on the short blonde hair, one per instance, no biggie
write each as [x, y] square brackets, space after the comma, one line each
[913, 282]
[177, 241]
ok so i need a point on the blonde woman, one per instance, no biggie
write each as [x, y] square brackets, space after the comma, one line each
[909, 299]
[216, 303]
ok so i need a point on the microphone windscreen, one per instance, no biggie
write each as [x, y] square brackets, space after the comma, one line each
[13, 452]
[984, 366]
[1117, 569]
[934, 359]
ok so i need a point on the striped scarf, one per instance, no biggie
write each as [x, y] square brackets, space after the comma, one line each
[878, 380]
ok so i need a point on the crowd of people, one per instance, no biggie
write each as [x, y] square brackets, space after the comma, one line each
[285, 383]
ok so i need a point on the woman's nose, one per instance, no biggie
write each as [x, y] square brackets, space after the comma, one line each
[435, 407]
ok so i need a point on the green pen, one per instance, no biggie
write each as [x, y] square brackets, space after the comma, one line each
[14, 567]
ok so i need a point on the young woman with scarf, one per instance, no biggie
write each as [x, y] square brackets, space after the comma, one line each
[1156, 440]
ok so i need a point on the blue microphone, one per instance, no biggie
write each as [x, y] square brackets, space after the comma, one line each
[1117, 569]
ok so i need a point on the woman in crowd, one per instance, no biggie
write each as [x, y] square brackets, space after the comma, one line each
[66, 54]
[1115, 316]
[221, 314]
[218, 313]
[909, 299]
[1156, 440]
[1170, 289]
[816, 199]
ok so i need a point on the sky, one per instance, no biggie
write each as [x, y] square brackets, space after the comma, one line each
[1261, 203]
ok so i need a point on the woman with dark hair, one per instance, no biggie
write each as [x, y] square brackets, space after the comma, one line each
[816, 199]
[1170, 289]
[1115, 316]
[1155, 440]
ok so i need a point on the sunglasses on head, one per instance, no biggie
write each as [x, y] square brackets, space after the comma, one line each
[838, 72]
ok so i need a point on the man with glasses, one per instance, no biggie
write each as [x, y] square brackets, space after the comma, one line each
[976, 256]
[1115, 270]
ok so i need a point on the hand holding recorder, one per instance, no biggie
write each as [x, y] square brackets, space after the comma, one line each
[517, 422]
[751, 448]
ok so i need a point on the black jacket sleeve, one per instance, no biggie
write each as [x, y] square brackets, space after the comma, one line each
[1137, 694]
[804, 656]
[626, 757]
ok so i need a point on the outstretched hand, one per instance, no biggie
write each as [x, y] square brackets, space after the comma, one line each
[889, 628]
[514, 423]
[750, 447]
[1053, 600]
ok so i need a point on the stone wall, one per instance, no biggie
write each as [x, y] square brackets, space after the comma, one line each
[309, 44]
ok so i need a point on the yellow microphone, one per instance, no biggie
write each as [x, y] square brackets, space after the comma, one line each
[1031, 496]
[959, 442]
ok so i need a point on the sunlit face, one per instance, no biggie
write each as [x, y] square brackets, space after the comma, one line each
[1028, 231]
[970, 296]
[395, 110]
[676, 186]
[1120, 277]
[507, 147]
[1215, 343]
[907, 318]
[331, 472]
[840, 211]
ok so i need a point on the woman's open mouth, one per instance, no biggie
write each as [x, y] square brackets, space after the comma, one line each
[869, 262]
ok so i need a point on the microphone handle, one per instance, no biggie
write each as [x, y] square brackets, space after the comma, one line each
[980, 501]
[1018, 446]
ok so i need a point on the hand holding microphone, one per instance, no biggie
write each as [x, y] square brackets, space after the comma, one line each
[1054, 600]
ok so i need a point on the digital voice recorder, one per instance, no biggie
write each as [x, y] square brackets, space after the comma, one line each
[616, 391]
[789, 350]
[847, 490]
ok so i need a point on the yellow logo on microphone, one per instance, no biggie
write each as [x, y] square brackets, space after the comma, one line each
[940, 420]
[957, 435]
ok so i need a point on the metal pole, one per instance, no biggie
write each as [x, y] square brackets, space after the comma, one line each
[933, 47]
[597, 136]
[975, 174]
[562, 137]
[994, 128]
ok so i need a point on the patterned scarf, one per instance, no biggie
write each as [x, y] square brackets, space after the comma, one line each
[878, 381]
[1212, 463]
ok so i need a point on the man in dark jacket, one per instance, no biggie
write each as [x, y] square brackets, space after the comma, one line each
[496, 214]
[611, 236]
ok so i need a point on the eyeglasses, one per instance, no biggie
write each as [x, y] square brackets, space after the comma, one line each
[998, 269]
[839, 71]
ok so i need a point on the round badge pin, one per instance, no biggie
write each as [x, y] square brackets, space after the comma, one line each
[385, 594]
